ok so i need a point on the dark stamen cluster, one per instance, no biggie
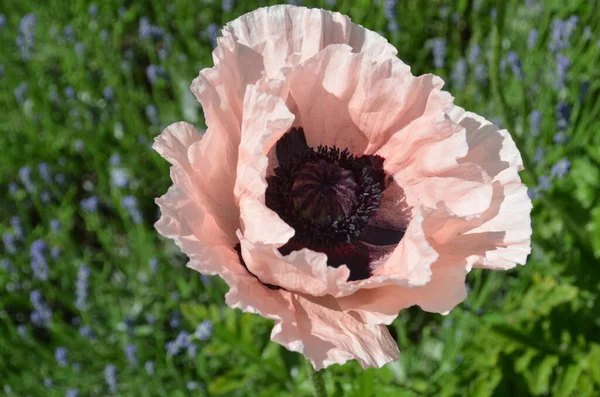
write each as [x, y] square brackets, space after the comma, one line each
[327, 195]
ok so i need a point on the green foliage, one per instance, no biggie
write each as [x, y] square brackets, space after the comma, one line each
[531, 331]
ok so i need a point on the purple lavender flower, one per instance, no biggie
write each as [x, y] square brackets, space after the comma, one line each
[21, 92]
[390, 14]
[9, 242]
[115, 160]
[55, 252]
[175, 319]
[532, 38]
[78, 145]
[439, 52]
[25, 38]
[25, 178]
[515, 64]
[474, 53]
[561, 32]
[130, 204]
[191, 385]
[153, 262]
[108, 93]
[44, 171]
[110, 376]
[93, 10]
[148, 31]
[212, 30]
[561, 168]
[42, 314]
[459, 74]
[544, 183]
[45, 197]
[563, 63]
[79, 49]
[149, 367]
[535, 122]
[61, 354]
[560, 138]
[86, 332]
[70, 92]
[119, 177]
[39, 265]
[131, 353]
[81, 287]
[481, 74]
[15, 222]
[155, 73]
[5, 264]
[563, 111]
[72, 393]
[152, 114]
[104, 36]
[227, 5]
[48, 383]
[2, 21]
[204, 330]
[90, 204]
[69, 33]
[55, 226]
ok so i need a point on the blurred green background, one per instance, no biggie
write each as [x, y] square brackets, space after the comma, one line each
[94, 303]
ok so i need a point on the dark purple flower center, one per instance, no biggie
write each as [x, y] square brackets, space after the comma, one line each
[328, 196]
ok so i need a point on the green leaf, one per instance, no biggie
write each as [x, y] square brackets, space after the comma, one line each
[594, 363]
[568, 381]
[540, 377]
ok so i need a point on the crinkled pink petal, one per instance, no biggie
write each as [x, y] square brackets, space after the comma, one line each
[185, 214]
[285, 35]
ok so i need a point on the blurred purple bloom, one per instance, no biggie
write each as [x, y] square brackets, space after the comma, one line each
[119, 177]
[539, 155]
[61, 354]
[45, 197]
[108, 93]
[72, 393]
[532, 38]
[86, 332]
[560, 138]
[21, 92]
[192, 385]
[131, 353]
[390, 14]
[474, 53]
[130, 204]
[39, 264]
[69, 33]
[55, 252]
[155, 73]
[110, 376]
[42, 314]
[104, 35]
[439, 52]
[515, 64]
[90, 204]
[459, 74]
[563, 112]
[5, 264]
[55, 226]
[563, 63]
[2, 21]
[148, 31]
[78, 145]
[25, 178]
[9, 242]
[204, 330]
[44, 171]
[80, 49]
[212, 30]
[115, 159]
[561, 168]
[81, 287]
[174, 321]
[25, 38]
[15, 222]
[227, 5]
[153, 262]
[152, 114]
[481, 74]
[70, 92]
[544, 183]
[149, 367]
[561, 32]
[93, 10]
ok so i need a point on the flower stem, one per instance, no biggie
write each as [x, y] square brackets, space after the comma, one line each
[316, 378]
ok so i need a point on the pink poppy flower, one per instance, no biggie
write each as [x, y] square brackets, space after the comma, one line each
[333, 188]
